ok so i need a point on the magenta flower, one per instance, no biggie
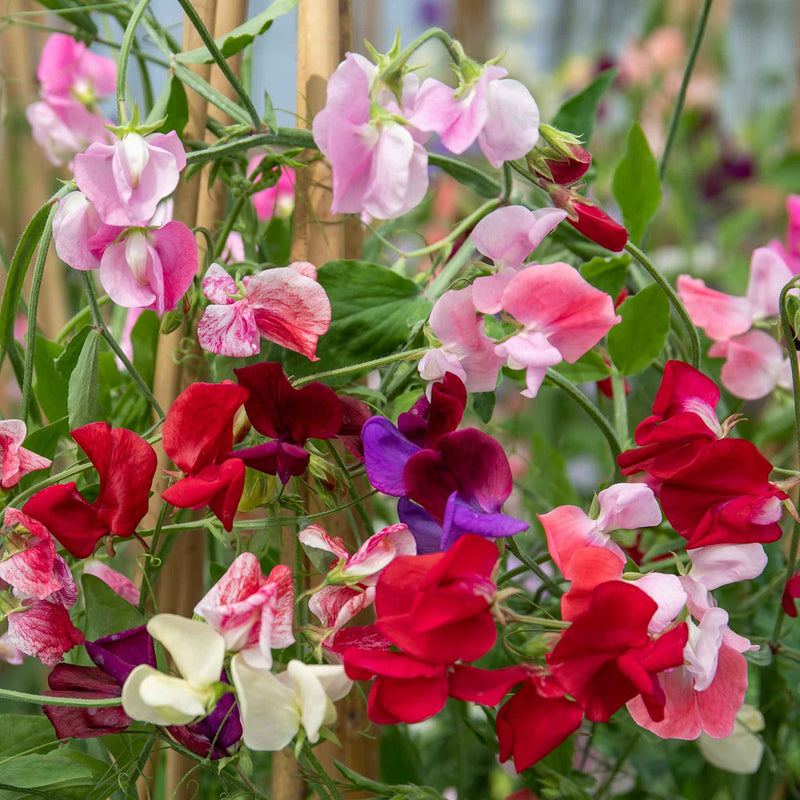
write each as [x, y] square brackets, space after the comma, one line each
[17, 460]
[379, 165]
[127, 180]
[497, 111]
[285, 305]
[252, 612]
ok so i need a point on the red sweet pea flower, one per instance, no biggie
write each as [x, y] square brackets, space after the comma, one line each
[598, 226]
[533, 723]
[606, 656]
[288, 416]
[790, 593]
[724, 497]
[437, 607]
[198, 434]
[427, 421]
[126, 464]
[683, 422]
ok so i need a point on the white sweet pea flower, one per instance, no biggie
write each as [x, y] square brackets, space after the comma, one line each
[274, 707]
[198, 652]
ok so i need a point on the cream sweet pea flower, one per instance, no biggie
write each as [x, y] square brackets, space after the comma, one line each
[274, 707]
[741, 752]
[198, 652]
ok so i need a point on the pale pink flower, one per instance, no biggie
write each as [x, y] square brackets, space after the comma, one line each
[377, 163]
[754, 365]
[497, 111]
[285, 305]
[127, 180]
[67, 69]
[234, 248]
[563, 317]
[623, 506]
[122, 585]
[80, 237]
[277, 200]
[466, 350]
[252, 612]
[16, 459]
[791, 251]
[150, 268]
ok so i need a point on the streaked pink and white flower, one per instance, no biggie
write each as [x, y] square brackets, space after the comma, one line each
[17, 460]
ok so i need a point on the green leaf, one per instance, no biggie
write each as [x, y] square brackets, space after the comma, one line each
[240, 37]
[22, 732]
[589, 367]
[172, 106]
[373, 312]
[106, 611]
[268, 116]
[80, 18]
[637, 187]
[578, 114]
[83, 400]
[67, 772]
[607, 274]
[51, 388]
[637, 341]
[43, 441]
[471, 177]
[483, 403]
[68, 360]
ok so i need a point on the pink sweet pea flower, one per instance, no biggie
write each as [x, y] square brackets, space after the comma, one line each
[378, 165]
[623, 506]
[252, 612]
[127, 180]
[497, 111]
[466, 349]
[563, 317]
[754, 365]
[66, 68]
[17, 460]
[285, 305]
[123, 586]
[277, 200]
[29, 562]
[151, 268]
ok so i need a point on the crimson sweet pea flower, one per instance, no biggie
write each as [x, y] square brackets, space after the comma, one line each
[288, 416]
[436, 608]
[198, 434]
[126, 464]
[724, 496]
[683, 422]
[606, 656]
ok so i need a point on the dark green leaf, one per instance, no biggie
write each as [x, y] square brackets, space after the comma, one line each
[373, 312]
[270, 120]
[471, 177]
[637, 187]
[106, 611]
[240, 37]
[483, 403]
[51, 388]
[84, 387]
[578, 114]
[68, 359]
[607, 274]
[637, 341]
[80, 18]
[22, 732]
[67, 772]
[172, 106]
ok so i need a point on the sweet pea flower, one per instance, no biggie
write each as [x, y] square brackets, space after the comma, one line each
[198, 652]
[122, 585]
[68, 69]
[127, 180]
[9, 652]
[790, 252]
[742, 750]
[497, 111]
[285, 305]
[64, 127]
[277, 200]
[275, 707]
[29, 561]
[126, 465]
[466, 350]
[197, 436]
[17, 460]
[288, 416]
[378, 164]
[252, 612]
[623, 506]
[562, 316]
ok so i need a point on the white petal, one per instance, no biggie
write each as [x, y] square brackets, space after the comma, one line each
[333, 679]
[310, 697]
[270, 717]
[135, 706]
[174, 698]
[196, 648]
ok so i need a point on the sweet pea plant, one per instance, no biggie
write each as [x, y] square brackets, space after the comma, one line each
[568, 640]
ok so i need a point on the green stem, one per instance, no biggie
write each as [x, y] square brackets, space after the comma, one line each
[323, 778]
[282, 137]
[364, 365]
[148, 568]
[687, 76]
[81, 318]
[33, 307]
[128, 41]
[583, 401]
[551, 585]
[620, 406]
[216, 54]
[445, 38]
[41, 700]
[227, 226]
[97, 319]
[672, 297]
[450, 271]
